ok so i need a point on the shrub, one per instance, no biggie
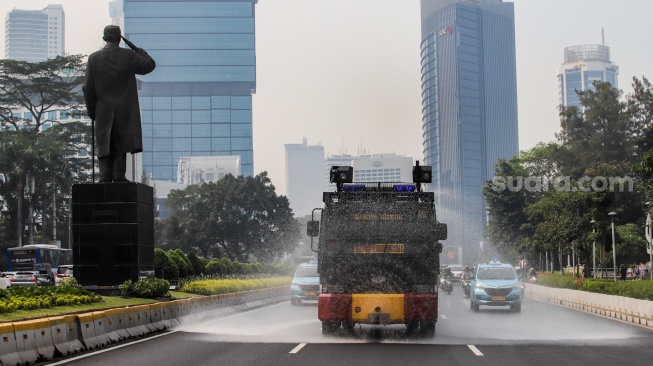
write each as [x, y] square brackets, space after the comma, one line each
[642, 290]
[189, 267]
[215, 268]
[198, 267]
[179, 263]
[237, 268]
[69, 292]
[163, 262]
[227, 265]
[224, 286]
[148, 288]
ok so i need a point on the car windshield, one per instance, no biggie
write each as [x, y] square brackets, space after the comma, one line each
[306, 272]
[498, 273]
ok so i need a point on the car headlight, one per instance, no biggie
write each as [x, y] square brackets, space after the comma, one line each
[517, 287]
[481, 286]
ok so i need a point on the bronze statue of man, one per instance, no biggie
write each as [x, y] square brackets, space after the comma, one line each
[112, 102]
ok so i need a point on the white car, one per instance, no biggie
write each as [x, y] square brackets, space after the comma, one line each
[63, 271]
[456, 271]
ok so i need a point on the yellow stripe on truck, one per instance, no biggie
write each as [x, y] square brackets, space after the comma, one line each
[377, 308]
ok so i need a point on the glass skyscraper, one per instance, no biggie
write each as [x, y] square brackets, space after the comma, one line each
[469, 104]
[198, 100]
[584, 65]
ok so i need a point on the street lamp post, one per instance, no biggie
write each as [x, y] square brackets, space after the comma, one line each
[649, 239]
[593, 249]
[614, 252]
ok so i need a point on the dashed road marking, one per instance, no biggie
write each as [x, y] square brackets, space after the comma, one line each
[443, 316]
[296, 349]
[475, 350]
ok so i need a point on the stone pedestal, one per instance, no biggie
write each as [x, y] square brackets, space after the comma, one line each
[113, 233]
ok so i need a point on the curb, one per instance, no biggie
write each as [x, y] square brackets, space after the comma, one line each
[30, 341]
[626, 309]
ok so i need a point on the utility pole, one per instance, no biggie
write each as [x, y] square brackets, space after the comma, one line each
[30, 190]
[614, 252]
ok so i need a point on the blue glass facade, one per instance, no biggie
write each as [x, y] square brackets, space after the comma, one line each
[198, 100]
[469, 103]
[584, 64]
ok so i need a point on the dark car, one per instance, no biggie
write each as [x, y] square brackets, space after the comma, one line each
[305, 284]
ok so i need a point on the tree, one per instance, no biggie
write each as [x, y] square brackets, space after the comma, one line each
[640, 110]
[40, 87]
[28, 149]
[240, 218]
[602, 133]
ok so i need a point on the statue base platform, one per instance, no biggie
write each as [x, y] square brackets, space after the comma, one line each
[112, 233]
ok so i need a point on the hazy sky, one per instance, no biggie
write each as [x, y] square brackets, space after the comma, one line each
[346, 73]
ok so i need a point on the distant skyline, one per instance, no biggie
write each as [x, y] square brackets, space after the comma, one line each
[347, 73]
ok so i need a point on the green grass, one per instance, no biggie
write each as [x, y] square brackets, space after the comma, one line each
[108, 302]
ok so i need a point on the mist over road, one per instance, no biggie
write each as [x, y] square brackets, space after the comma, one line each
[282, 334]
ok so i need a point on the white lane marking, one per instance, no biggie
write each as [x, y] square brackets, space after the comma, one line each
[296, 349]
[68, 360]
[443, 316]
[475, 350]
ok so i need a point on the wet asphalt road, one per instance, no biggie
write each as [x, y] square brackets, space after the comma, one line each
[281, 334]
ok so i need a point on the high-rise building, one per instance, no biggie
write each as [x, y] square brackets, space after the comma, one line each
[204, 169]
[372, 168]
[304, 177]
[584, 65]
[198, 100]
[35, 35]
[469, 107]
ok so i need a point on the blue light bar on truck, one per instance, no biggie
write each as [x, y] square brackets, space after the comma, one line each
[404, 188]
[379, 187]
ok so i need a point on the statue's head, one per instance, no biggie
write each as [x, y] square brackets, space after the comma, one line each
[112, 34]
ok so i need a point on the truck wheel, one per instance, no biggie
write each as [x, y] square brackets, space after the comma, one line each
[427, 328]
[411, 327]
[348, 326]
[329, 327]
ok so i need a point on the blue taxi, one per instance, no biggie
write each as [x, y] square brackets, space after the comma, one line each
[496, 284]
[305, 283]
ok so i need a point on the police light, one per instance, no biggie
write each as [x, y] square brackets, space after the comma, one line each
[494, 261]
[404, 188]
[341, 174]
[353, 188]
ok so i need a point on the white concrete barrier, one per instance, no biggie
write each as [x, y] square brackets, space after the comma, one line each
[617, 307]
[8, 349]
[65, 335]
[25, 342]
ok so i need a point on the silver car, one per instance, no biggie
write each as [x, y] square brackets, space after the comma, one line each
[31, 278]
